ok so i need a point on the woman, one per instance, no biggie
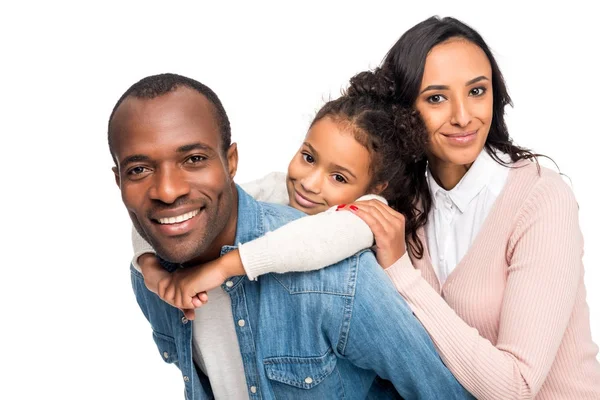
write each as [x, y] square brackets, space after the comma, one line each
[499, 284]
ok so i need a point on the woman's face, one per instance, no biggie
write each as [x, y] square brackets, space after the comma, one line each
[456, 102]
[330, 168]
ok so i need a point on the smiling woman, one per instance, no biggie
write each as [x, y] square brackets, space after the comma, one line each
[503, 249]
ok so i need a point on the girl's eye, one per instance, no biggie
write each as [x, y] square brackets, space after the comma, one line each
[435, 99]
[339, 178]
[308, 158]
[479, 91]
[195, 159]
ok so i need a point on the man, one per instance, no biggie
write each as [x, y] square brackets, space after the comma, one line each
[319, 335]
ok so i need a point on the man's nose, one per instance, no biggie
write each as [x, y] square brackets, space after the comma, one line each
[168, 185]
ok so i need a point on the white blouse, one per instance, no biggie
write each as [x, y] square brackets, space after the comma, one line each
[457, 215]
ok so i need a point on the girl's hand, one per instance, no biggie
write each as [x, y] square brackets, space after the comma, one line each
[156, 276]
[185, 287]
[387, 225]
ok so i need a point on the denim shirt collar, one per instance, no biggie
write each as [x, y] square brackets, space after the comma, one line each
[250, 225]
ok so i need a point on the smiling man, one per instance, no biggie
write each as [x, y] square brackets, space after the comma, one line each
[322, 334]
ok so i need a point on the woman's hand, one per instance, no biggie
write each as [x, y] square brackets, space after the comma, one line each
[387, 225]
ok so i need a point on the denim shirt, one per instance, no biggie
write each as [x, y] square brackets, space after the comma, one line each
[323, 334]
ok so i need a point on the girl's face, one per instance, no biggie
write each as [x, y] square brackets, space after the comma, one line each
[330, 168]
[456, 102]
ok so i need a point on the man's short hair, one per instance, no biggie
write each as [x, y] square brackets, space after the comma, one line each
[158, 85]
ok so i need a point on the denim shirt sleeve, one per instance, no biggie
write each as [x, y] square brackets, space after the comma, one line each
[386, 337]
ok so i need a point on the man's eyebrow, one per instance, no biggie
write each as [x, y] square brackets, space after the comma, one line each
[182, 149]
[194, 146]
[133, 159]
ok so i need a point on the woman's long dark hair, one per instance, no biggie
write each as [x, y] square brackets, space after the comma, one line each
[403, 68]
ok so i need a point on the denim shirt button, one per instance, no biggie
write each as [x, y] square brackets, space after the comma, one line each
[229, 283]
[184, 320]
[253, 389]
[308, 380]
[165, 355]
[186, 379]
[241, 322]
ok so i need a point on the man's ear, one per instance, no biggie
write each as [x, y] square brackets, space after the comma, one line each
[117, 177]
[232, 159]
[379, 188]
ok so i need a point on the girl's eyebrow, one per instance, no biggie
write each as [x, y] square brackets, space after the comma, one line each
[332, 165]
[312, 149]
[343, 169]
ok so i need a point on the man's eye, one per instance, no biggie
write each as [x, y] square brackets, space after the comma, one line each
[308, 158]
[137, 170]
[196, 159]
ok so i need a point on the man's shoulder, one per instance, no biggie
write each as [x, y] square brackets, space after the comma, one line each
[338, 279]
[276, 215]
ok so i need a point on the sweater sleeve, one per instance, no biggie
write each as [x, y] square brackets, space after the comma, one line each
[308, 243]
[270, 189]
[544, 271]
[140, 246]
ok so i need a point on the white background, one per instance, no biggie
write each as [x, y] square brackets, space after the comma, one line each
[71, 327]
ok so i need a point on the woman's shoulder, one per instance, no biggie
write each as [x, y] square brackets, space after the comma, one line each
[536, 184]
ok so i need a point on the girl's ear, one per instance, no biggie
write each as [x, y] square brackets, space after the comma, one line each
[379, 188]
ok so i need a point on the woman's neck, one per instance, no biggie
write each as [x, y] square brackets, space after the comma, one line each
[446, 174]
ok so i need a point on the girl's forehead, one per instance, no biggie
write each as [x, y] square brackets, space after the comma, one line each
[335, 144]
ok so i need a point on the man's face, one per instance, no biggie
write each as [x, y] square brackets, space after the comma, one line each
[175, 179]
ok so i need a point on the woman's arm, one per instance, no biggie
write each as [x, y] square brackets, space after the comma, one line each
[543, 276]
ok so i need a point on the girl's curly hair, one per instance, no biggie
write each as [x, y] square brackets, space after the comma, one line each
[396, 138]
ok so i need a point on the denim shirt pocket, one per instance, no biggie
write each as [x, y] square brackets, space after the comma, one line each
[304, 377]
[166, 347]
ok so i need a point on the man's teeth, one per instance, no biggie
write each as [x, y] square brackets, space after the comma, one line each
[178, 219]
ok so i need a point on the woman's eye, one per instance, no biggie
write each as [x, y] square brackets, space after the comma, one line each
[479, 91]
[339, 178]
[308, 158]
[435, 99]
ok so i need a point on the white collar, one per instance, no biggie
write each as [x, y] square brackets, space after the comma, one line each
[479, 176]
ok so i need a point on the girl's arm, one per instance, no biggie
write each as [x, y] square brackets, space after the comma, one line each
[308, 243]
[542, 282]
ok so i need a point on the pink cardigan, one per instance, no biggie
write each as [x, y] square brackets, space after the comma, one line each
[511, 321]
